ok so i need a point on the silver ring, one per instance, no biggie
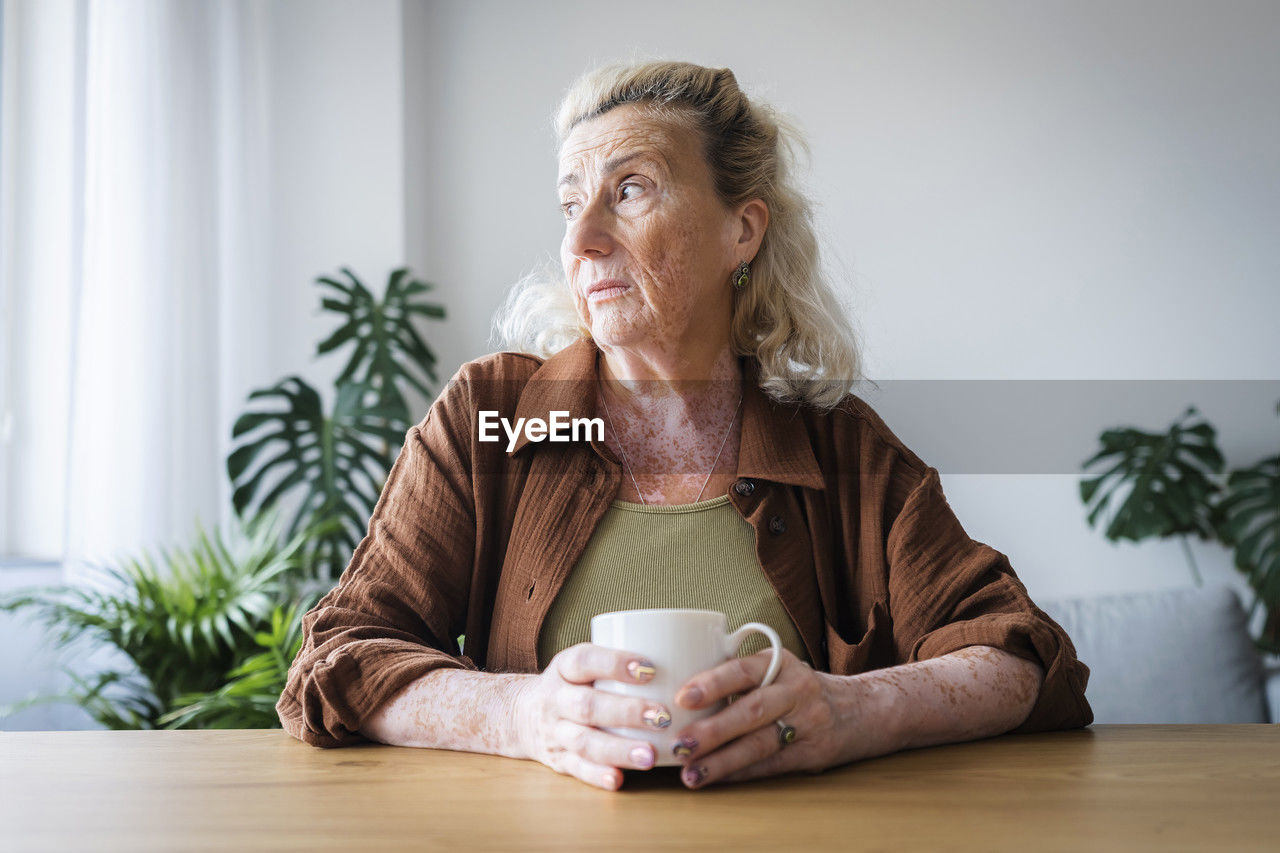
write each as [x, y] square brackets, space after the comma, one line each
[786, 733]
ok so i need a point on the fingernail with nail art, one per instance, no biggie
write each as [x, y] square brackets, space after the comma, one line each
[643, 756]
[694, 775]
[684, 747]
[658, 718]
[641, 670]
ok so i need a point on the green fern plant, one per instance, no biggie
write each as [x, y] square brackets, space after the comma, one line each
[183, 621]
[248, 699]
[1166, 484]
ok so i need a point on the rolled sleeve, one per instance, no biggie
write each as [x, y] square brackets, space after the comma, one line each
[326, 706]
[947, 591]
[398, 607]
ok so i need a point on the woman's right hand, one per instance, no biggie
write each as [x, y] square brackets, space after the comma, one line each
[558, 715]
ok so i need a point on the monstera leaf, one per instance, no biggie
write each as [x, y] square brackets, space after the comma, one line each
[330, 459]
[388, 350]
[1165, 477]
[1250, 522]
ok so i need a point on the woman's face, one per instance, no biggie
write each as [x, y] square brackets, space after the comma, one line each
[648, 248]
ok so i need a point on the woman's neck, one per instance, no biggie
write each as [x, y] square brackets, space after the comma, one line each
[677, 431]
[682, 379]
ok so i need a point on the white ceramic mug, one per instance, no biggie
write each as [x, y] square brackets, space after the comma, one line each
[680, 644]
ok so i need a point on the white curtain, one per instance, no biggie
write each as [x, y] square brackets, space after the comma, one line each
[134, 239]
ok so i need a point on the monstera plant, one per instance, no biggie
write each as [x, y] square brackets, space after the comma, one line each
[388, 351]
[1248, 519]
[336, 461]
[1170, 484]
[209, 631]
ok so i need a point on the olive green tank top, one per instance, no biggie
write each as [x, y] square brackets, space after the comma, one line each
[699, 555]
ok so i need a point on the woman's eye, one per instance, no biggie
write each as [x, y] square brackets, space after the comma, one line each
[569, 208]
[630, 185]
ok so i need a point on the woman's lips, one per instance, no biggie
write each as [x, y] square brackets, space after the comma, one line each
[606, 290]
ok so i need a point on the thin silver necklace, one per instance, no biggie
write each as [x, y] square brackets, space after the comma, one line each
[631, 471]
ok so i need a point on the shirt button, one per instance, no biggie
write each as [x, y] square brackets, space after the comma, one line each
[777, 525]
[744, 487]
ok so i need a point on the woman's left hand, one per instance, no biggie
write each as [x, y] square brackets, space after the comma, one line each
[741, 741]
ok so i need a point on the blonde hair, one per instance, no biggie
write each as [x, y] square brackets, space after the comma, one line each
[788, 316]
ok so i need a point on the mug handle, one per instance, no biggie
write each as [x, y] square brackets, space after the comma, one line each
[735, 639]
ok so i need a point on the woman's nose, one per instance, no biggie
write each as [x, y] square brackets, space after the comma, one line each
[590, 233]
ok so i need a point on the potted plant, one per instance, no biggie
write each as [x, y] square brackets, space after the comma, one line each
[1166, 484]
[337, 461]
[210, 630]
[182, 621]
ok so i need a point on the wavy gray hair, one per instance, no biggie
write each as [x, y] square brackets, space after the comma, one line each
[788, 317]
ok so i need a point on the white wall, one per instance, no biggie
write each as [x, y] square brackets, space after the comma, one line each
[1011, 190]
[337, 188]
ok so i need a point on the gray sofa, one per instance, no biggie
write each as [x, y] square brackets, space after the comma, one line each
[1172, 656]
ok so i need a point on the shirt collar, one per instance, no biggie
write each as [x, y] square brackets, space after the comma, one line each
[775, 444]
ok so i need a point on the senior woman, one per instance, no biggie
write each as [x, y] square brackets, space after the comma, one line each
[736, 473]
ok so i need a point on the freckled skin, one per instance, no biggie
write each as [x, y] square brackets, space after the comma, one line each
[670, 444]
[672, 382]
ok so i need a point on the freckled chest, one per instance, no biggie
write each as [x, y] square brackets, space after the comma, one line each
[670, 454]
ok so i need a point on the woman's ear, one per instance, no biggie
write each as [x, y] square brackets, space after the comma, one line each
[753, 219]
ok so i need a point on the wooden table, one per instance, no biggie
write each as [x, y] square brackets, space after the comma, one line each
[1110, 787]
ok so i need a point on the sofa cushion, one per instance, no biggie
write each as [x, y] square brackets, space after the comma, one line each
[1172, 656]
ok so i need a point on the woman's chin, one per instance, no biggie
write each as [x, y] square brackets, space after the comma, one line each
[607, 333]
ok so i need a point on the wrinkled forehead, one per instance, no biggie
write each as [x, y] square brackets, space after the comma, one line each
[622, 130]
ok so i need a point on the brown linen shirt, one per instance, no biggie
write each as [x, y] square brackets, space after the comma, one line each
[851, 528]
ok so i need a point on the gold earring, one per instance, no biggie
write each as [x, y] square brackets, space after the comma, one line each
[741, 276]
